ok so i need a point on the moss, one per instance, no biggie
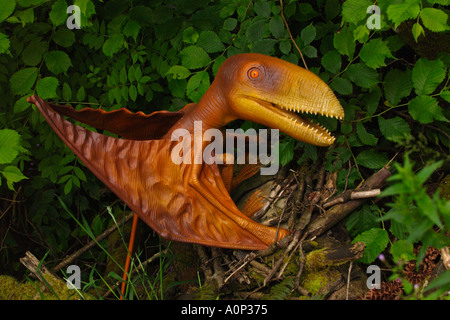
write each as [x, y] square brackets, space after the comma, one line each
[315, 260]
[11, 289]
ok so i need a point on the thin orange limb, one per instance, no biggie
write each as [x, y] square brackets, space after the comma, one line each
[130, 250]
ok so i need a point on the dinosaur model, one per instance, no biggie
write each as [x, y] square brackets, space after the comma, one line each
[190, 202]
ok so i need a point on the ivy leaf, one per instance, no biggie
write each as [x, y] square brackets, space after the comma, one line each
[376, 240]
[398, 13]
[354, 11]
[394, 129]
[434, 19]
[365, 137]
[194, 57]
[343, 42]
[425, 109]
[397, 85]
[6, 8]
[374, 52]
[371, 159]
[57, 61]
[46, 87]
[427, 75]
[113, 44]
[9, 145]
[22, 80]
[362, 75]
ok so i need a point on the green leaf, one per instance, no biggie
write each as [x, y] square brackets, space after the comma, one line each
[210, 42]
[230, 24]
[417, 30]
[33, 52]
[362, 220]
[362, 75]
[131, 29]
[4, 43]
[398, 13]
[21, 105]
[402, 250]
[6, 8]
[354, 11]
[371, 159]
[22, 81]
[194, 57]
[190, 35]
[81, 94]
[286, 152]
[331, 61]
[343, 42]
[308, 34]
[342, 86]
[64, 37]
[9, 145]
[113, 44]
[262, 8]
[364, 136]
[395, 129]
[427, 75]
[179, 72]
[397, 85]
[434, 19]
[46, 87]
[57, 61]
[132, 91]
[376, 241]
[255, 31]
[197, 86]
[67, 92]
[425, 109]
[58, 14]
[426, 172]
[374, 52]
[12, 175]
[276, 26]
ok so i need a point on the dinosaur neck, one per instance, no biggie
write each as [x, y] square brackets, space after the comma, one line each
[211, 110]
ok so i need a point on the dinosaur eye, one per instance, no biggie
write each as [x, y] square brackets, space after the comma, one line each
[253, 73]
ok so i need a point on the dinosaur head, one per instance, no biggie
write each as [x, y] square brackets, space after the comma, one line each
[273, 92]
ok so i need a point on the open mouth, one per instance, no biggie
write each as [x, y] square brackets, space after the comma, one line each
[288, 120]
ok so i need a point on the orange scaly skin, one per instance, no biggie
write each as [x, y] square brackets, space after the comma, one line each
[190, 202]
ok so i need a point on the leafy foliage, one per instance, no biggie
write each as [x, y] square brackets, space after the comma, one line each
[153, 55]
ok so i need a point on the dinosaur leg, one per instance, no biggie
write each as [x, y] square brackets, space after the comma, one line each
[130, 251]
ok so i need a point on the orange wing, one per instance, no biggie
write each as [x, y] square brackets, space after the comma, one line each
[186, 203]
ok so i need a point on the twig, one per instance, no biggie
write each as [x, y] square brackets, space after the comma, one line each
[352, 195]
[91, 244]
[290, 34]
